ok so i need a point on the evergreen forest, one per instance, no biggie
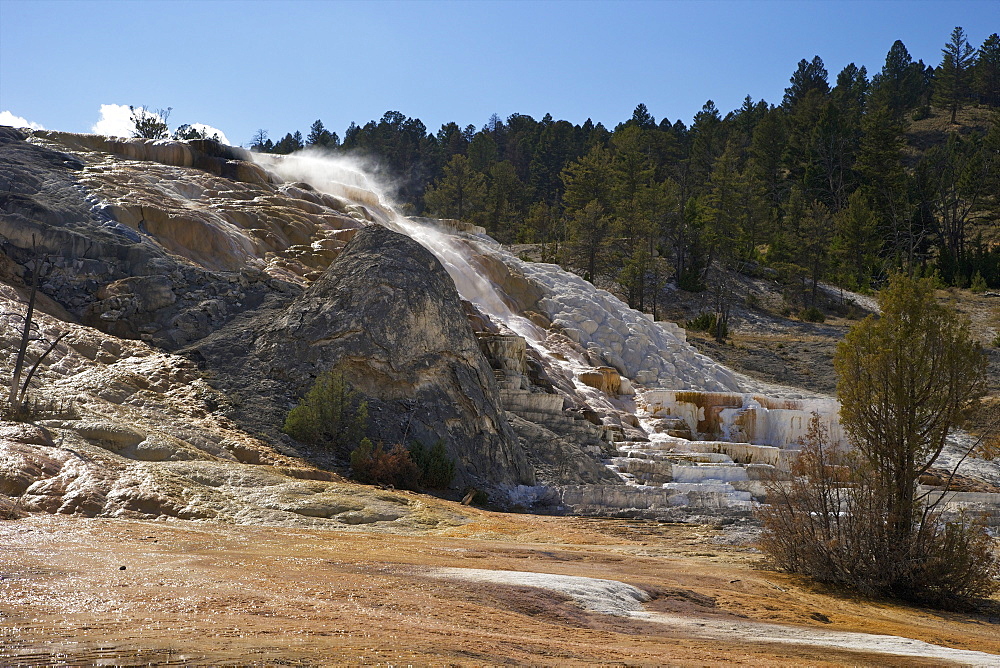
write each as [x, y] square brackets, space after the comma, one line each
[845, 180]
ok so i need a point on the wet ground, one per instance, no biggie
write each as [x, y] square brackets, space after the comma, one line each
[113, 592]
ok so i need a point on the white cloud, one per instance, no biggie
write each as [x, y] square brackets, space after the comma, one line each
[7, 118]
[115, 121]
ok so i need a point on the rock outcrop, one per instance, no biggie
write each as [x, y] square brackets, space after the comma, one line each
[386, 315]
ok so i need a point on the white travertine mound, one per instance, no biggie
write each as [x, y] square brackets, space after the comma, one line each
[746, 418]
[654, 354]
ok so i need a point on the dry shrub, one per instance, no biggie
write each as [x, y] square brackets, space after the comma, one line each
[376, 466]
[832, 522]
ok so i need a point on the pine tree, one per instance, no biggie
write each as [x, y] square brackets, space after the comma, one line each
[987, 71]
[885, 183]
[954, 73]
[460, 191]
[589, 226]
[589, 179]
[807, 77]
[290, 143]
[504, 201]
[642, 118]
[898, 86]
[856, 243]
[813, 244]
[320, 136]
[707, 142]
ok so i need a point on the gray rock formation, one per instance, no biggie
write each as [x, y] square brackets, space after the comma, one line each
[388, 317]
[104, 273]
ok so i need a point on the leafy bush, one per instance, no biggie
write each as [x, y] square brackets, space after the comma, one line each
[435, 467]
[331, 415]
[373, 465]
[812, 314]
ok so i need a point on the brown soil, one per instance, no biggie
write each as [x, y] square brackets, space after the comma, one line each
[75, 591]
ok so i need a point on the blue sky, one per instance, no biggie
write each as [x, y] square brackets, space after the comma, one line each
[240, 66]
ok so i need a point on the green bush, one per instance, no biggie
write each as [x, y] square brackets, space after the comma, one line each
[812, 314]
[978, 284]
[709, 322]
[331, 415]
[690, 281]
[436, 468]
[705, 322]
[375, 466]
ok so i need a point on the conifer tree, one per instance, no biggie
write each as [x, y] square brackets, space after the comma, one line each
[589, 179]
[856, 243]
[903, 381]
[808, 76]
[589, 226]
[954, 73]
[898, 86]
[460, 191]
[987, 71]
[320, 136]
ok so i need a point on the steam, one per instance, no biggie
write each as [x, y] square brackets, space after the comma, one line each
[350, 178]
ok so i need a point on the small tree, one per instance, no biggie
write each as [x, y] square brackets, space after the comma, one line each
[904, 381]
[459, 193]
[331, 415]
[149, 124]
[187, 131]
[16, 406]
[954, 74]
[858, 518]
[830, 523]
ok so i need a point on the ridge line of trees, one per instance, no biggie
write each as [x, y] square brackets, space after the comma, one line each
[826, 186]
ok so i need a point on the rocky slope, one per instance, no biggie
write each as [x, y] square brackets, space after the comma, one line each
[168, 242]
[201, 294]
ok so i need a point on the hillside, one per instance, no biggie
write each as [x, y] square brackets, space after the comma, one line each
[188, 296]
